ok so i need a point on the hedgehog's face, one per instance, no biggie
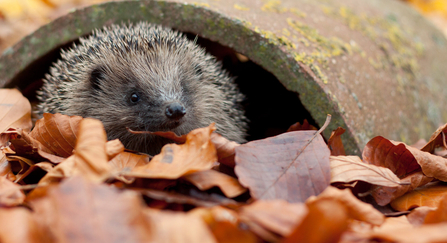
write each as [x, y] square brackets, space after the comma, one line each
[156, 92]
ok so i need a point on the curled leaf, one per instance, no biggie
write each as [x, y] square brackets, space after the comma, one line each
[352, 168]
[429, 195]
[10, 193]
[207, 179]
[198, 153]
[15, 111]
[356, 209]
[277, 216]
[335, 143]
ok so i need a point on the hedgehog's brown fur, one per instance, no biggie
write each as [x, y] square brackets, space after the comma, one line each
[97, 78]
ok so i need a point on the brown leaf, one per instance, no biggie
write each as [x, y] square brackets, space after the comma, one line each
[298, 127]
[277, 216]
[335, 144]
[384, 195]
[424, 234]
[57, 132]
[5, 168]
[225, 225]
[291, 166]
[429, 195]
[383, 152]
[90, 158]
[78, 210]
[10, 193]
[125, 162]
[174, 161]
[356, 209]
[325, 223]
[178, 227]
[207, 179]
[19, 225]
[225, 149]
[114, 148]
[25, 146]
[437, 139]
[352, 168]
[417, 216]
[394, 223]
[440, 214]
[404, 160]
[15, 111]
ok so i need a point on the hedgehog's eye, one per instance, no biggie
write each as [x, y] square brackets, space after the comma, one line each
[95, 78]
[134, 98]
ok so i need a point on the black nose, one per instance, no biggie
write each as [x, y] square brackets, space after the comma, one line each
[175, 111]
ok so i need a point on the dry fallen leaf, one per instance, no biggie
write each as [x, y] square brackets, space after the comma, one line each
[429, 195]
[15, 111]
[394, 223]
[277, 216]
[114, 148]
[78, 210]
[440, 214]
[384, 195]
[225, 225]
[198, 153]
[178, 227]
[423, 234]
[10, 193]
[403, 159]
[291, 166]
[19, 225]
[57, 132]
[437, 139]
[25, 146]
[335, 144]
[356, 209]
[417, 216]
[207, 179]
[325, 223]
[225, 149]
[90, 158]
[5, 168]
[298, 127]
[352, 168]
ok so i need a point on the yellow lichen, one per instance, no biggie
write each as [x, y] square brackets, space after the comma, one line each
[318, 73]
[399, 47]
[297, 12]
[240, 7]
[273, 6]
[201, 4]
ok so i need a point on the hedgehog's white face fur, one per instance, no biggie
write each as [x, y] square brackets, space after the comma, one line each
[144, 77]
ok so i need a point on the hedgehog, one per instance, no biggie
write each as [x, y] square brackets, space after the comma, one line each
[143, 77]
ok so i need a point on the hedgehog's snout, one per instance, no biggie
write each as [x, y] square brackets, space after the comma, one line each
[175, 111]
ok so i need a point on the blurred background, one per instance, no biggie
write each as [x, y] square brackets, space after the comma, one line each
[20, 17]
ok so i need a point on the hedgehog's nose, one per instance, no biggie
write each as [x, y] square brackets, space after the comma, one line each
[175, 111]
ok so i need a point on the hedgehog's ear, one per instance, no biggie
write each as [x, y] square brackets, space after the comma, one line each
[96, 78]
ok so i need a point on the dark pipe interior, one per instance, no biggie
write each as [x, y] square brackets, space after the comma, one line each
[269, 106]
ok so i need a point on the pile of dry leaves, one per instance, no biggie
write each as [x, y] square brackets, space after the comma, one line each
[64, 182]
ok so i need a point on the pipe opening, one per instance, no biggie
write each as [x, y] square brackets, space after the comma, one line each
[269, 106]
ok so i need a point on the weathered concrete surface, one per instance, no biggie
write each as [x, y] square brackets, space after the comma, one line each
[376, 65]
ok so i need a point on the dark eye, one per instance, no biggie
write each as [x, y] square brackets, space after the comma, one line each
[134, 98]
